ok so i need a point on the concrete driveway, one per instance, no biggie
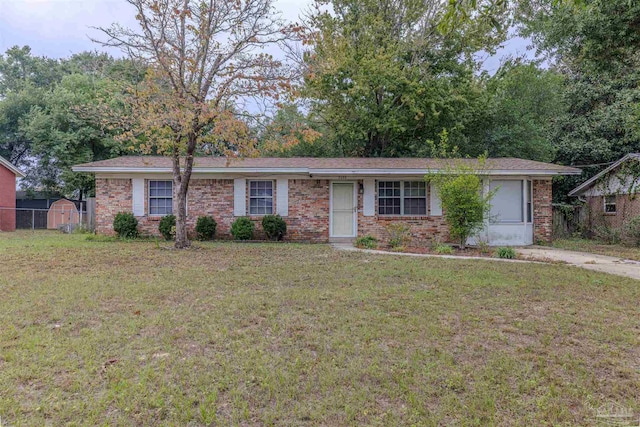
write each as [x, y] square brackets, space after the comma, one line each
[602, 263]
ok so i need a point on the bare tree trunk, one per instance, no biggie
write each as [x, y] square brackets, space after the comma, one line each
[182, 240]
[181, 181]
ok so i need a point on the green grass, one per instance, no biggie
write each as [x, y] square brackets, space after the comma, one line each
[597, 247]
[125, 333]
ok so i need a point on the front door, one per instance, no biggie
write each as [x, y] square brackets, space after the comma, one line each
[343, 210]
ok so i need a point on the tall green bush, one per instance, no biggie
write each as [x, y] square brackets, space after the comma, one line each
[274, 227]
[125, 225]
[167, 227]
[242, 229]
[206, 228]
[464, 205]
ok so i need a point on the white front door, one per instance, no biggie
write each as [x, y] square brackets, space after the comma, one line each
[343, 210]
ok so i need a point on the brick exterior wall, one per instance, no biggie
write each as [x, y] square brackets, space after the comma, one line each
[7, 199]
[424, 230]
[542, 211]
[112, 196]
[309, 210]
[627, 207]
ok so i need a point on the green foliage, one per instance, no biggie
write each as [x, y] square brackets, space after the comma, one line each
[206, 228]
[385, 81]
[125, 225]
[366, 242]
[507, 253]
[632, 231]
[399, 235]
[597, 47]
[274, 227]
[167, 226]
[442, 249]
[242, 229]
[47, 116]
[464, 205]
[522, 103]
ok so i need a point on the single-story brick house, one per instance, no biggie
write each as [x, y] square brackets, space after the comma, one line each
[8, 175]
[325, 199]
[611, 195]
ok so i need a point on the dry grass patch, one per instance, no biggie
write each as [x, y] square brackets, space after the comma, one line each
[127, 334]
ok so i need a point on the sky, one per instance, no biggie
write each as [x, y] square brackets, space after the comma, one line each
[60, 28]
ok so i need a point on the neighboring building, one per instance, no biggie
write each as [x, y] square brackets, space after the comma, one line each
[35, 199]
[8, 175]
[611, 196]
[32, 209]
[325, 199]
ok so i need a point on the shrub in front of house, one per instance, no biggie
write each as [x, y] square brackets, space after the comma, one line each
[242, 229]
[206, 228]
[167, 226]
[399, 236]
[366, 242]
[506, 253]
[274, 227]
[125, 225]
[631, 232]
[442, 248]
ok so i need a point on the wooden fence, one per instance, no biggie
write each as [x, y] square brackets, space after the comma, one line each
[568, 220]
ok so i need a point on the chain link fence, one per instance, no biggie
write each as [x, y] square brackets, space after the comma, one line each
[64, 215]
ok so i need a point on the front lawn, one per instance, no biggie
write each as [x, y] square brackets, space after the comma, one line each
[598, 247]
[126, 333]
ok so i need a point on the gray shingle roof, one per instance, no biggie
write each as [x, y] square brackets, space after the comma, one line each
[347, 163]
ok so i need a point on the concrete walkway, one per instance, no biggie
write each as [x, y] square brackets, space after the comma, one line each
[601, 263]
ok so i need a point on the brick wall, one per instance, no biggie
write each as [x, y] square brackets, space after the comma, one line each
[309, 211]
[112, 196]
[542, 211]
[627, 207]
[308, 218]
[423, 229]
[7, 199]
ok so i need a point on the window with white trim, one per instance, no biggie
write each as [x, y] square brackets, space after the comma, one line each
[160, 198]
[402, 198]
[260, 197]
[610, 204]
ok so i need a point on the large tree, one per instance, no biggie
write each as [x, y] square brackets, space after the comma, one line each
[596, 47]
[24, 79]
[384, 77]
[204, 57]
[522, 104]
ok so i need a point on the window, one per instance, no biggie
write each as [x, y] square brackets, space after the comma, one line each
[260, 197]
[160, 197]
[506, 204]
[610, 204]
[389, 200]
[402, 198]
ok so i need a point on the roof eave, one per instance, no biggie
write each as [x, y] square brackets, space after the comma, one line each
[325, 172]
[582, 188]
[17, 172]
